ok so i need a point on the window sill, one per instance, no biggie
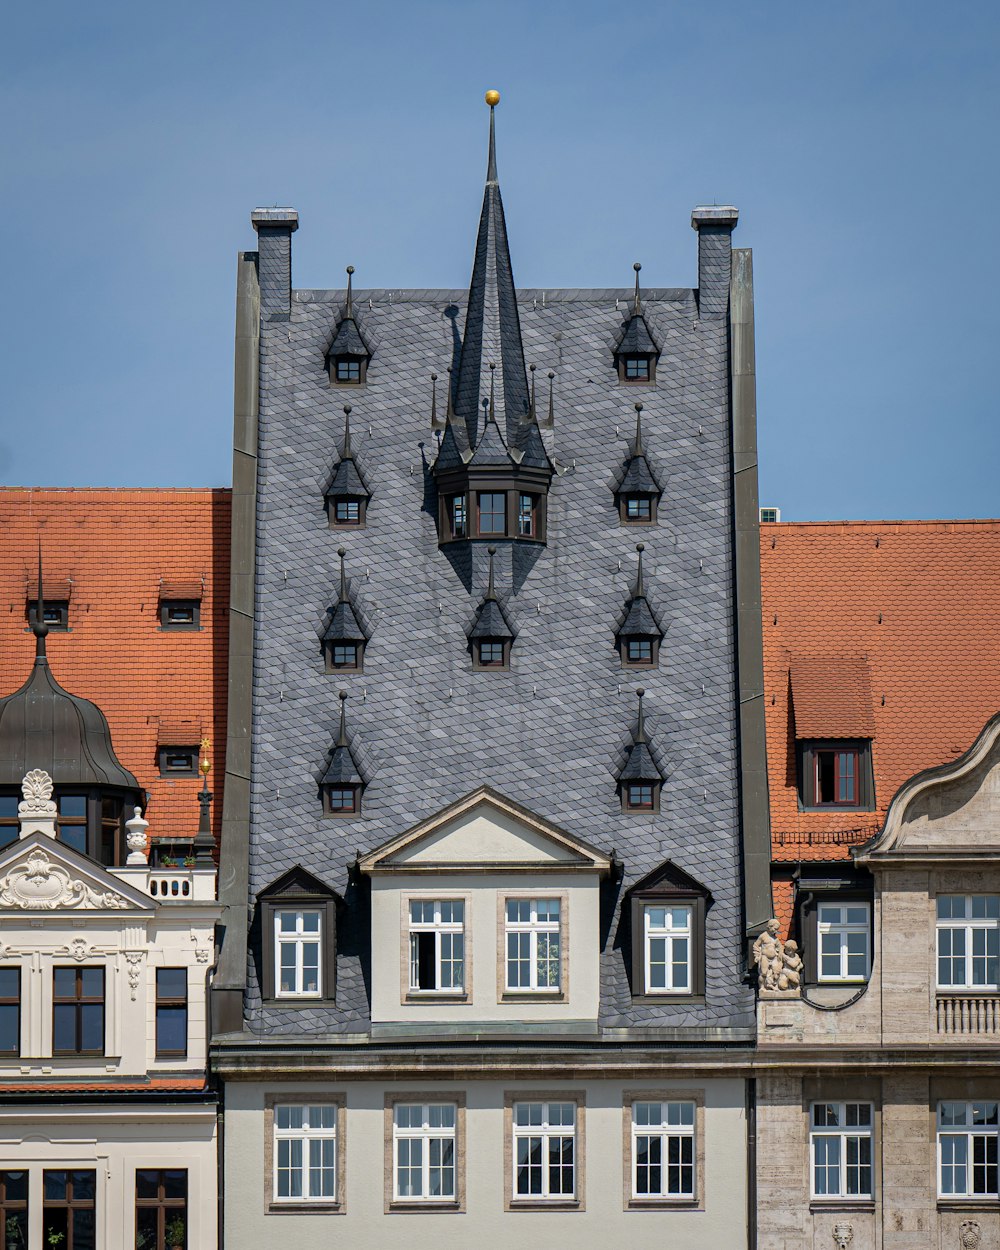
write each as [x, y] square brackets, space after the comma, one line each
[969, 1204]
[436, 996]
[662, 1000]
[841, 1204]
[544, 1204]
[404, 1206]
[298, 1002]
[325, 1207]
[532, 996]
[944, 992]
[663, 1204]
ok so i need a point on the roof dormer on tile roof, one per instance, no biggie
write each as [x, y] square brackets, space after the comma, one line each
[347, 356]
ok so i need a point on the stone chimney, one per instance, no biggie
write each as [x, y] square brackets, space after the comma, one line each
[275, 227]
[715, 224]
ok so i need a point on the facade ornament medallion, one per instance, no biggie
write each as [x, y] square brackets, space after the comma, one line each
[202, 956]
[79, 950]
[134, 961]
[970, 1235]
[38, 884]
[779, 964]
[843, 1235]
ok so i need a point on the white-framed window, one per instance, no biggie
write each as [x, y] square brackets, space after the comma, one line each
[967, 1135]
[663, 1149]
[840, 1137]
[298, 938]
[437, 945]
[667, 946]
[968, 941]
[544, 1149]
[305, 1152]
[533, 944]
[423, 1151]
[844, 941]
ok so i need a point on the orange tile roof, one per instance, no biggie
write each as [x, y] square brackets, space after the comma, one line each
[831, 697]
[919, 601]
[35, 1086]
[115, 547]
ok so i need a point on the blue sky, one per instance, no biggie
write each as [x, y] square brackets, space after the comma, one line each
[858, 140]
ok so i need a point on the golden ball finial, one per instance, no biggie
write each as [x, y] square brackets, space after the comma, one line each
[492, 98]
[205, 765]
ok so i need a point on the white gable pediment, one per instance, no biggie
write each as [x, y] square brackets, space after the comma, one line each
[485, 830]
[952, 810]
[41, 874]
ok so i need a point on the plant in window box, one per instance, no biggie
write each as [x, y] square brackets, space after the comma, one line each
[189, 861]
[175, 1233]
[168, 861]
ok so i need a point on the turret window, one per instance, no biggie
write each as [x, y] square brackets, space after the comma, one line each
[73, 821]
[458, 514]
[526, 524]
[492, 512]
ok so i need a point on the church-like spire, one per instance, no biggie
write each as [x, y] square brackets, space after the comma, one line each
[492, 327]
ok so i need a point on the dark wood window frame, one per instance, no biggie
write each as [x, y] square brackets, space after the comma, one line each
[10, 1006]
[102, 826]
[809, 751]
[56, 614]
[176, 1004]
[79, 1002]
[168, 1209]
[71, 1204]
[334, 505]
[629, 798]
[653, 642]
[326, 905]
[175, 769]
[334, 364]
[461, 485]
[667, 897]
[490, 666]
[333, 795]
[638, 360]
[330, 648]
[13, 1208]
[807, 905]
[623, 502]
[9, 823]
[169, 622]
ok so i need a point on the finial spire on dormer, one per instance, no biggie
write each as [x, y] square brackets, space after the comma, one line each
[639, 592]
[342, 597]
[552, 411]
[350, 293]
[347, 433]
[492, 391]
[637, 446]
[532, 411]
[434, 400]
[490, 592]
[38, 626]
[639, 737]
[637, 308]
[342, 735]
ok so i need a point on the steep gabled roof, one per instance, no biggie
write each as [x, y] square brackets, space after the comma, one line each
[638, 478]
[639, 763]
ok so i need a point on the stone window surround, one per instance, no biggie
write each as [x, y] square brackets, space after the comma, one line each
[37, 987]
[956, 1089]
[561, 995]
[515, 1203]
[293, 1206]
[843, 1089]
[299, 901]
[629, 1201]
[842, 1131]
[391, 1204]
[657, 897]
[408, 996]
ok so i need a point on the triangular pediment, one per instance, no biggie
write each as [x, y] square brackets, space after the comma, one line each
[485, 830]
[40, 874]
[297, 882]
[950, 811]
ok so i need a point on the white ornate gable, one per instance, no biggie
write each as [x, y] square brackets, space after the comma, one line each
[41, 874]
[952, 810]
[485, 830]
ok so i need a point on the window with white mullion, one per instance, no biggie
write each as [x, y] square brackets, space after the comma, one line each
[533, 944]
[297, 942]
[663, 1152]
[305, 1151]
[967, 1140]
[437, 945]
[544, 1150]
[424, 1152]
[843, 930]
[841, 1147]
[968, 941]
[667, 940]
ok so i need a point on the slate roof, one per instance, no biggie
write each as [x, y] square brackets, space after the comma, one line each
[635, 339]
[348, 341]
[919, 603]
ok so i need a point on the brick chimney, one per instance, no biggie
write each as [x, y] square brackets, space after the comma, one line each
[715, 225]
[275, 227]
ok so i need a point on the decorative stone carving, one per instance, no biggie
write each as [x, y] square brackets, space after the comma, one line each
[202, 956]
[38, 884]
[36, 812]
[970, 1235]
[134, 961]
[779, 965]
[135, 838]
[843, 1235]
[79, 950]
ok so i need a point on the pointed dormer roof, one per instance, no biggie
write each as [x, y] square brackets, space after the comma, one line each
[492, 327]
[43, 726]
[636, 339]
[490, 619]
[639, 764]
[342, 770]
[639, 620]
[347, 482]
[348, 341]
[491, 450]
[638, 478]
[344, 625]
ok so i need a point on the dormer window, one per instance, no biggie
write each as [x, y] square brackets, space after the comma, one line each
[636, 370]
[637, 509]
[179, 614]
[491, 653]
[348, 511]
[343, 656]
[55, 613]
[178, 761]
[667, 913]
[298, 927]
[641, 796]
[347, 495]
[347, 356]
[636, 353]
[639, 652]
[492, 512]
[836, 774]
[348, 369]
[342, 800]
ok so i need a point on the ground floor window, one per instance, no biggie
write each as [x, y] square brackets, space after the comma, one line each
[544, 1150]
[161, 1209]
[13, 1210]
[69, 1210]
[424, 1151]
[967, 1134]
[663, 1149]
[841, 1148]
